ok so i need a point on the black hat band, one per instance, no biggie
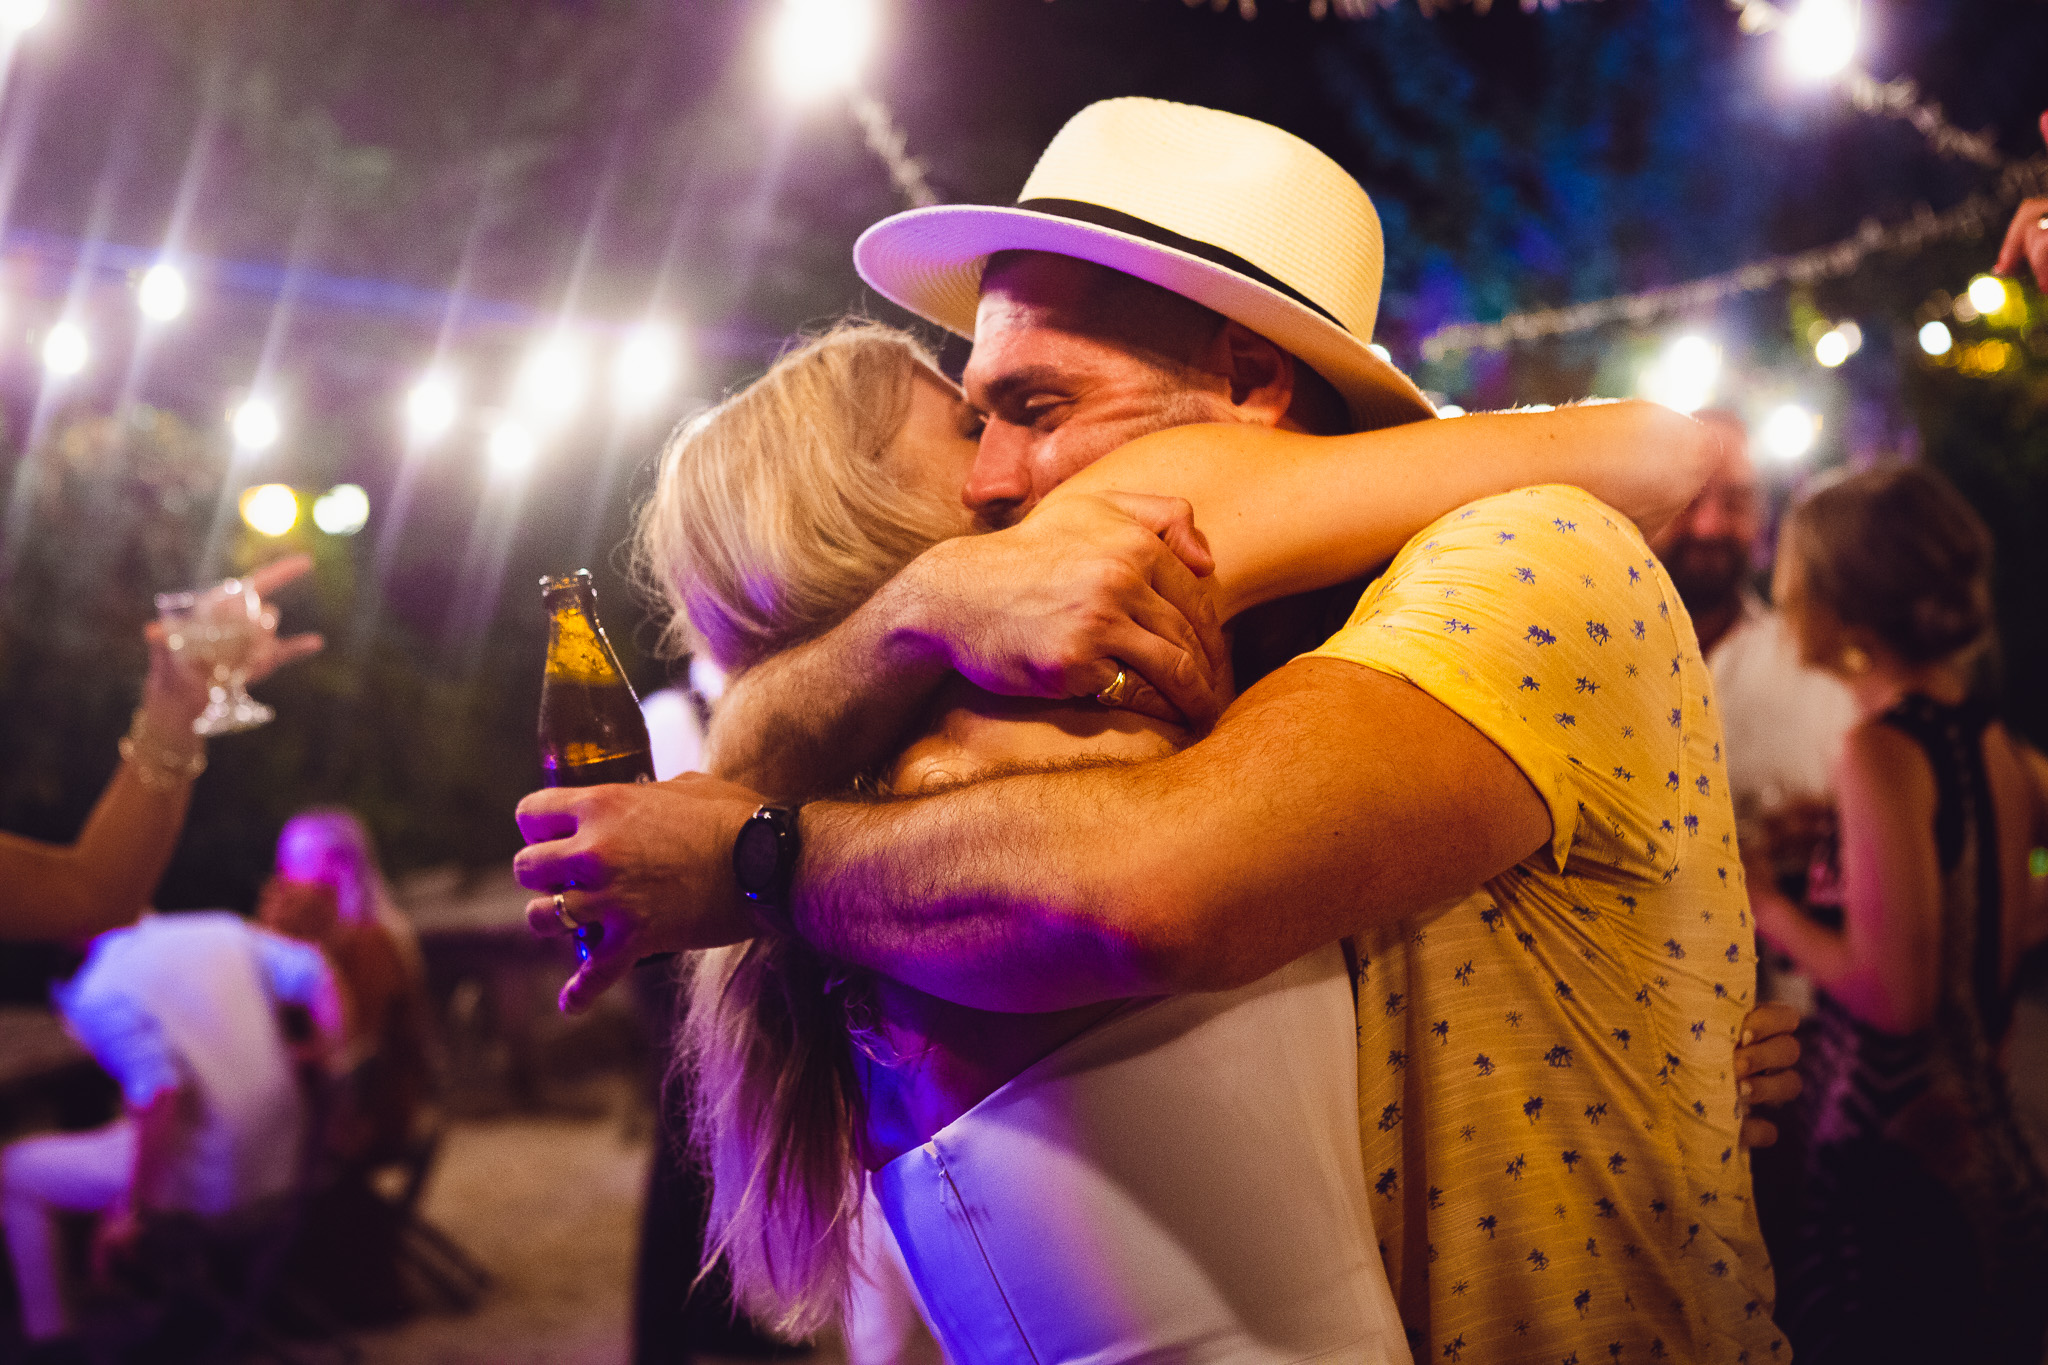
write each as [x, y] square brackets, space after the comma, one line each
[1118, 221]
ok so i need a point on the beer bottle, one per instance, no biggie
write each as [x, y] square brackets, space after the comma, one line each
[591, 731]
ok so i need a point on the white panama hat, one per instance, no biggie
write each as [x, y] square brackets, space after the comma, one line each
[1230, 212]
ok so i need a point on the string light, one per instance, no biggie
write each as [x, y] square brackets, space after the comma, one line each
[162, 294]
[819, 46]
[1838, 343]
[19, 16]
[256, 424]
[1820, 38]
[1789, 432]
[1935, 338]
[1683, 377]
[270, 509]
[645, 368]
[553, 381]
[65, 350]
[431, 406]
[1830, 31]
[512, 447]
[342, 510]
[1987, 294]
[1970, 218]
[889, 142]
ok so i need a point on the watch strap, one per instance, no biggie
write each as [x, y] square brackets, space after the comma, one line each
[764, 865]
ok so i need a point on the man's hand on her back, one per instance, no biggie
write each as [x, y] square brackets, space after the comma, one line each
[1766, 1073]
[1085, 585]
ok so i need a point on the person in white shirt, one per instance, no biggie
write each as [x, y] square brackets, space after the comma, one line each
[1783, 722]
[183, 1011]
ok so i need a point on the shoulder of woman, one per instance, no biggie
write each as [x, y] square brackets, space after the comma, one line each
[1883, 764]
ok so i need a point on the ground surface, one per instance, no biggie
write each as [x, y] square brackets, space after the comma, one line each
[551, 1206]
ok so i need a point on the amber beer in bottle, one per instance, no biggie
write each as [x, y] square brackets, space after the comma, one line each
[591, 730]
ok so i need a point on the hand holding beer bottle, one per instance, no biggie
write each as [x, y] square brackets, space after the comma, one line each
[591, 730]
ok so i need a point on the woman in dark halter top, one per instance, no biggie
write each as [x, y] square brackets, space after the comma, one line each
[1920, 1230]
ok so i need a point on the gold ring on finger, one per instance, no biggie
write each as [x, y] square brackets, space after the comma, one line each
[562, 915]
[1118, 689]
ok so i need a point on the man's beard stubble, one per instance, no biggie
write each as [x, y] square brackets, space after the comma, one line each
[1709, 574]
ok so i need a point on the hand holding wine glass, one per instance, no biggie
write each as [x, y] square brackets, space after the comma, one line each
[207, 646]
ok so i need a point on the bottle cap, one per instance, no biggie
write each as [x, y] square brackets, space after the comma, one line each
[580, 581]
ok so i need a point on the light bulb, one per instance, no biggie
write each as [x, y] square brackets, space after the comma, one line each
[553, 381]
[512, 447]
[819, 46]
[430, 409]
[163, 294]
[1789, 432]
[1987, 294]
[645, 368]
[1820, 38]
[270, 509]
[65, 350]
[256, 424]
[342, 510]
[1683, 377]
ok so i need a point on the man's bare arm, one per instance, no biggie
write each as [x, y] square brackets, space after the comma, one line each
[1330, 798]
[1050, 608]
[805, 721]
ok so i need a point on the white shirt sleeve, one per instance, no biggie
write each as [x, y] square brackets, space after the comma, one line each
[128, 1042]
[294, 973]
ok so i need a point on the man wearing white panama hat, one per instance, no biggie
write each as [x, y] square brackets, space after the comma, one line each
[1549, 1108]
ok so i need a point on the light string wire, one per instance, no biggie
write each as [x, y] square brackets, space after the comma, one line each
[1364, 9]
[1985, 209]
[1899, 99]
[887, 140]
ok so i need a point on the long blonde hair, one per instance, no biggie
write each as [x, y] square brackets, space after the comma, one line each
[773, 517]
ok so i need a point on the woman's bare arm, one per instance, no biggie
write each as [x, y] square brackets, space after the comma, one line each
[1285, 512]
[105, 878]
[1883, 963]
[59, 892]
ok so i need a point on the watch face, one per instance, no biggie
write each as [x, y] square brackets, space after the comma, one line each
[755, 854]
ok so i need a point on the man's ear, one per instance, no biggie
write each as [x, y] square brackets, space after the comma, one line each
[1260, 376]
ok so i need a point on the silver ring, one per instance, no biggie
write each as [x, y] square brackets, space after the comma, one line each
[1118, 690]
[2042, 222]
[562, 915]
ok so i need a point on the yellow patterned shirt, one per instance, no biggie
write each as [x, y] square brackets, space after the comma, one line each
[1546, 1088]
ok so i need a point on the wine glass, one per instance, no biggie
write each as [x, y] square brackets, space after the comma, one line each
[216, 633]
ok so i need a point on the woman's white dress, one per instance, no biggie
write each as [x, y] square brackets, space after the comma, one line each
[1179, 1183]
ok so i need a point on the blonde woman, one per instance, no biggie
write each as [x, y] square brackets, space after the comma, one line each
[1191, 1212]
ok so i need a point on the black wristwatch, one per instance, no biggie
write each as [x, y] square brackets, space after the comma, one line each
[764, 857]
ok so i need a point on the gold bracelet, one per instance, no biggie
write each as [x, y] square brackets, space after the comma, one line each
[158, 767]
